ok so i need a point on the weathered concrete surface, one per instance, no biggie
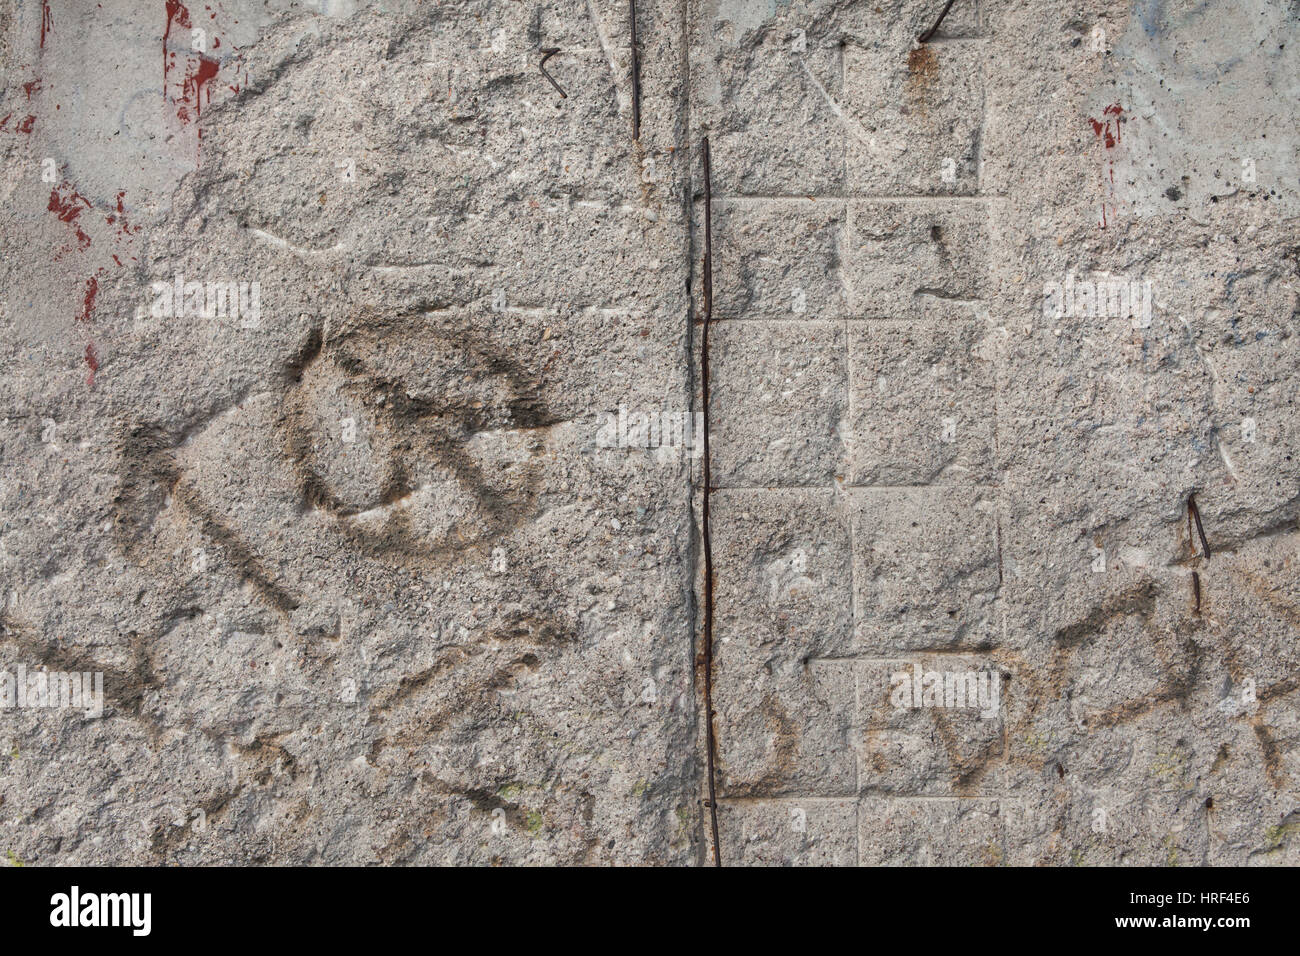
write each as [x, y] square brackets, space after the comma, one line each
[398, 562]
[930, 468]
[362, 583]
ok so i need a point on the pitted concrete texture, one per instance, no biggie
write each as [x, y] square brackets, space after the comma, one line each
[351, 384]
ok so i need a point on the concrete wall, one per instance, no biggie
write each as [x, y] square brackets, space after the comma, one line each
[398, 560]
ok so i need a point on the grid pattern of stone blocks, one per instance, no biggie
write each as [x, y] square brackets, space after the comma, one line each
[856, 524]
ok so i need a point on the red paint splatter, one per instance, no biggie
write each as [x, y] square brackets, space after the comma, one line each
[124, 228]
[67, 209]
[199, 71]
[92, 361]
[31, 87]
[24, 127]
[207, 69]
[1109, 131]
[47, 21]
[88, 299]
[68, 205]
[178, 14]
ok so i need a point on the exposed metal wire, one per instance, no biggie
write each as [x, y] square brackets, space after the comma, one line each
[546, 55]
[1195, 512]
[925, 37]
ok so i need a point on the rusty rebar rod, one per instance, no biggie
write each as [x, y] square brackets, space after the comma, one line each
[636, 73]
[546, 55]
[925, 37]
[1195, 512]
[710, 743]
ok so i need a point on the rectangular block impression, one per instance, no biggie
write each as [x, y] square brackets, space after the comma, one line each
[790, 832]
[777, 259]
[923, 404]
[947, 832]
[784, 728]
[782, 564]
[771, 107]
[917, 114]
[931, 725]
[903, 256]
[779, 395]
[926, 569]
[783, 576]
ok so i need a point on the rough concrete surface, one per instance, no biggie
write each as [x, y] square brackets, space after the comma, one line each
[352, 415]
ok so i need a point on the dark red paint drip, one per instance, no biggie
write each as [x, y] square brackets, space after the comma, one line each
[1108, 130]
[207, 69]
[88, 299]
[68, 205]
[1115, 110]
[178, 14]
[47, 22]
[92, 361]
[200, 69]
[31, 87]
